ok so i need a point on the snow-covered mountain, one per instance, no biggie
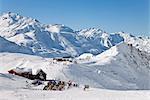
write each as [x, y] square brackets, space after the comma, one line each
[27, 32]
[59, 40]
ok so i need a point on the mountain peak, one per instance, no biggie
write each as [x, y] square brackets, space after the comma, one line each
[10, 15]
[9, 18]
[91, 32]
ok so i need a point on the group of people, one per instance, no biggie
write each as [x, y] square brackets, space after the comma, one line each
[55, 85]
[59, 85]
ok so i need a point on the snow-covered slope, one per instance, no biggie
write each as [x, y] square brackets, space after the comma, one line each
[121, 67]
[50, 66]
[12, 82]
[7, 46]
[126, 63]
[15, 88]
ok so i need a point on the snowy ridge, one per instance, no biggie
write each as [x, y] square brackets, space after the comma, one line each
[138, 42]
[120, 67]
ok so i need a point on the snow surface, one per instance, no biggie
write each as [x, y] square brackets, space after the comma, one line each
[16, 88]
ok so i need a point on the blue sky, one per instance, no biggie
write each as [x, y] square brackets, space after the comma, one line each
[110, 15]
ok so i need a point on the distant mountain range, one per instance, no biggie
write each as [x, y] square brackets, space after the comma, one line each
[59, 40]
